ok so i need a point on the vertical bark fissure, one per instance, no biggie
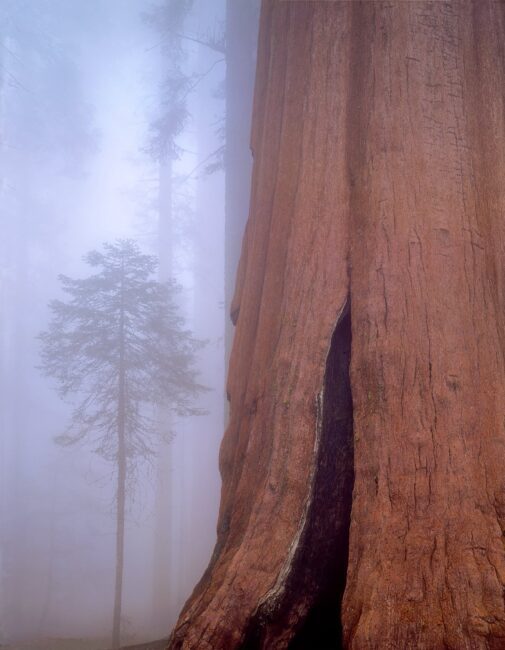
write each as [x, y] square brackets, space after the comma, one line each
[303, 607]
[327, 543]
[121, 475]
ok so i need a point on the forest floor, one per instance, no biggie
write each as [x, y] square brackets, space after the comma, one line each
[60, 644]
[80, 644]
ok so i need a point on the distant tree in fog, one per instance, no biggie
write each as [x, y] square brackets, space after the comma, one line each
[119, 343]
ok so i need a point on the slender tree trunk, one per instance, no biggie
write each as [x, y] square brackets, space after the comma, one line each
[121, 481]
[165, 606]
[377, 216]
[4, 447]
[165, 225]
[43, 627]
[120, 525]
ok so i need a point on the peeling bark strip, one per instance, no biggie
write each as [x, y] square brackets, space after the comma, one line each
[379, 145]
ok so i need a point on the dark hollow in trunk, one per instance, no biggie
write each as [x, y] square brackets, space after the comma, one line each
[327, 544]
[310, 599]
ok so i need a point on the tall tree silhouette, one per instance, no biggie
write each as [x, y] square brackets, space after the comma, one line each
[120, 345]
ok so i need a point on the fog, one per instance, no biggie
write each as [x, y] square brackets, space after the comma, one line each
[112, 127]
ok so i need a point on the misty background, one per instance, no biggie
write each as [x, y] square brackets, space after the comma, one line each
[118, 119]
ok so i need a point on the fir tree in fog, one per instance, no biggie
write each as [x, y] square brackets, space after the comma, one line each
[119, 344]
[112, 114]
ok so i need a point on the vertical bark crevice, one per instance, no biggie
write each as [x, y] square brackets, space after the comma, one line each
[327, 544]
[302, 610]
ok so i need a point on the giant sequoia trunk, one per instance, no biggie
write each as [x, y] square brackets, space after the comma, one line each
[375, 239]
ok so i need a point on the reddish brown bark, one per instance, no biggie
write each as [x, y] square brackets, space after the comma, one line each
[378, 138]
[426, 566]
